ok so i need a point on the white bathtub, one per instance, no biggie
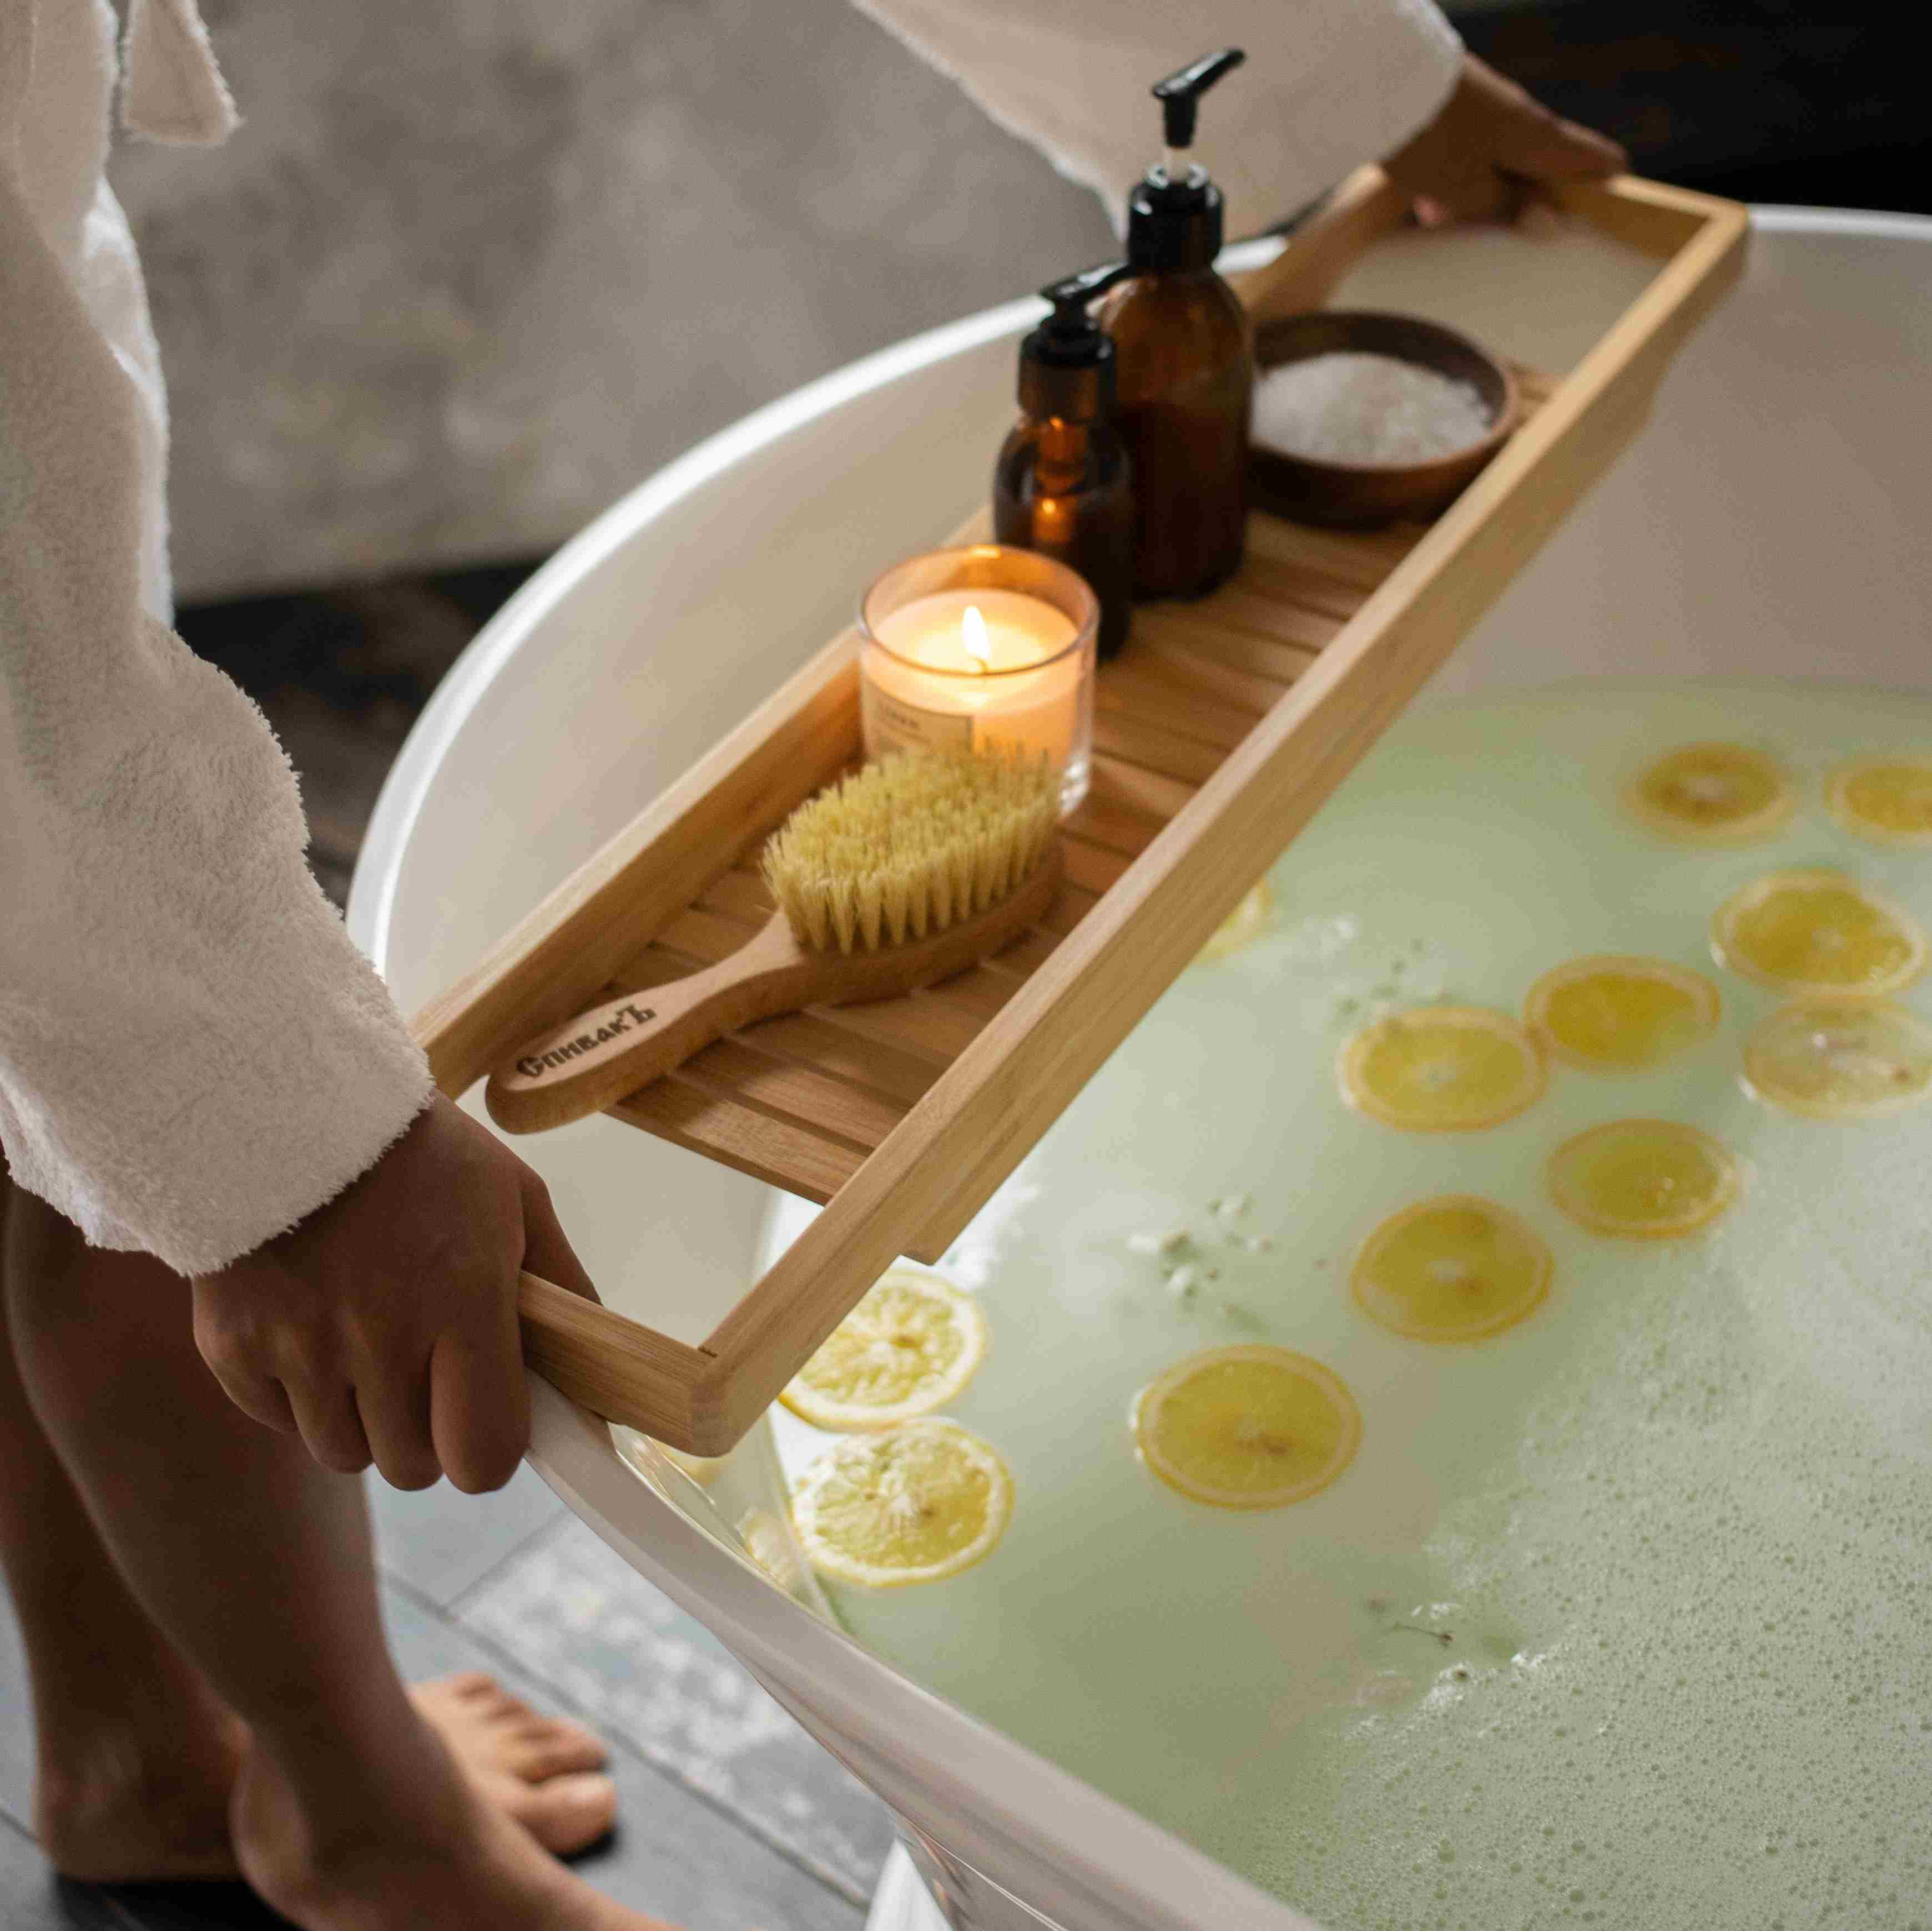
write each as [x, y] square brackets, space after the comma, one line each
[1772, 516]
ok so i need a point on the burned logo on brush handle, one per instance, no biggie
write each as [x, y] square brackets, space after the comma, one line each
[534, 1065]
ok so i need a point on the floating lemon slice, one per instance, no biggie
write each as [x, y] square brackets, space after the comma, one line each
[1830, 1059]
[1441, 1069]
[1888, 799]
[1248, 920]
[916, 1505]
[905, 1351]
[1722, 793]
[1455, 1269]
[1613, 1014]
[1247, 1427]
[1817, 931]
[768, 1542]
[702, 1469]
[1643, 1180]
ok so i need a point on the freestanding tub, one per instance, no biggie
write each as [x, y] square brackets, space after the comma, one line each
[1771, 517]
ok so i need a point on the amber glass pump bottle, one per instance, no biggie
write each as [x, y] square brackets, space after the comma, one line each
[1061, 484]
[1185, 363]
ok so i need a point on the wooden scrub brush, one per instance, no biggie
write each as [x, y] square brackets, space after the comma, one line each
[900, 875]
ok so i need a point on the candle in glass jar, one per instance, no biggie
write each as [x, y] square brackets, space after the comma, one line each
[982, 648]
[977, 669]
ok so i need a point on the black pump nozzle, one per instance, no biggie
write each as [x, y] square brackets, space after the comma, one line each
[1066, 364]
[1179, 93]
[1069, 323]
[1173, 214]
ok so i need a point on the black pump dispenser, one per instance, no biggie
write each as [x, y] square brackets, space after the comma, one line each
[1062, 484]
[1174, 214]
[1183, 369]
[1066, 364]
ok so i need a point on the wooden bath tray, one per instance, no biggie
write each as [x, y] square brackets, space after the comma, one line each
[1217, 733]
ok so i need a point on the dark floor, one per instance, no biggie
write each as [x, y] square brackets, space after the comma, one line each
[732, 1819]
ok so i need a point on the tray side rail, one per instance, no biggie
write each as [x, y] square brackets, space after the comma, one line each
[940, 1166]
[949, 1153]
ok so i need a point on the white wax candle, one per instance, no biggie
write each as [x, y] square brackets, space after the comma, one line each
[980, 642]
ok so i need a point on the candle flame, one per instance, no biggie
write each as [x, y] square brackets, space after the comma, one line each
[977, 649]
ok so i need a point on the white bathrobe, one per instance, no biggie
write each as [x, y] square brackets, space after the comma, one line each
[193, 1054]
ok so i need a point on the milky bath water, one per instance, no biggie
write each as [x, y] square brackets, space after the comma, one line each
[1620, 1616]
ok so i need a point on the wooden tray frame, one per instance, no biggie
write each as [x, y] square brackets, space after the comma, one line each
[1281, 682]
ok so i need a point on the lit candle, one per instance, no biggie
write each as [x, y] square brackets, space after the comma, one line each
[1000, 661]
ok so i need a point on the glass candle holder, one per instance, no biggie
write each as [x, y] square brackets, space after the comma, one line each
[982, 649]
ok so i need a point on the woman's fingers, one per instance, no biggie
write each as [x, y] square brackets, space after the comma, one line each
[1540, 146]
[479, 1402]
[330, 1425]
[228, 1346]
[258, 1397]
[547, 1251]
[393, 1397]
[1477, 159]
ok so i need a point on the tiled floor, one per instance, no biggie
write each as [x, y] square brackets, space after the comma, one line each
[732, 1819]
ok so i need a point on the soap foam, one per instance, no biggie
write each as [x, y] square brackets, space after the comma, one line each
[1620, 1618]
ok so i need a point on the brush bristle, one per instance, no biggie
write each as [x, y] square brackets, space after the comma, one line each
[907, 847]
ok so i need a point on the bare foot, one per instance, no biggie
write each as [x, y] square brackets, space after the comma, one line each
[143, 1792]
[540, 1771]
[426, 1853]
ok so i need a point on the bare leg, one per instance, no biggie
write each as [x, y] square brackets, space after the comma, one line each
[349, 1814]
[136, 1755]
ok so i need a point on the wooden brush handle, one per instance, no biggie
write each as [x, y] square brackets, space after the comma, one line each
[577, 1069]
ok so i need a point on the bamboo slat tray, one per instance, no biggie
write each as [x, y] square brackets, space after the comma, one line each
[1217, 733]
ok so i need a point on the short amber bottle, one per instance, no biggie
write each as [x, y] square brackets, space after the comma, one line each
[1185, 355]
[1063, 484]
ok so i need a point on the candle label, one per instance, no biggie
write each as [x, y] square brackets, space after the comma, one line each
[893, 724]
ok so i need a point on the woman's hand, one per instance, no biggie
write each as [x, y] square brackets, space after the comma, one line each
[1490, 138]
[383, 1327]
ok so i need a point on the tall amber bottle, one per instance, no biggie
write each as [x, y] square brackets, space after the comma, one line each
[1184, 363]
[1061, 484]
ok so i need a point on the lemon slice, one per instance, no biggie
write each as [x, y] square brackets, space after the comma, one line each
[1888, 800]
[1817, 931]
[1829, 1059]
[1248, 920]
[905, 1351]
[916, 1504]
[702, 1469]
[1247, 1427]
[1643, 1180]
[768, 1542]
[1455, 1269]
[1613, 1014]
[1441, 1069]
[1715, 793]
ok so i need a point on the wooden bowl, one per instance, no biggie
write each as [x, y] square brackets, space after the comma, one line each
[1360, 495]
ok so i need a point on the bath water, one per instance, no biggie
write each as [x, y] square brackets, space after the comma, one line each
[1622, 1616]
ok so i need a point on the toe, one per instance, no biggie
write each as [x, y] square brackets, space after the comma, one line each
[553, 1748]
[566, 1814]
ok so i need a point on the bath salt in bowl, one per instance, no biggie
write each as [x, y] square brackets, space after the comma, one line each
[1361, 418]
[1352, 406]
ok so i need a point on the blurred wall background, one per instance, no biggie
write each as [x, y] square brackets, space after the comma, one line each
[471, 268]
